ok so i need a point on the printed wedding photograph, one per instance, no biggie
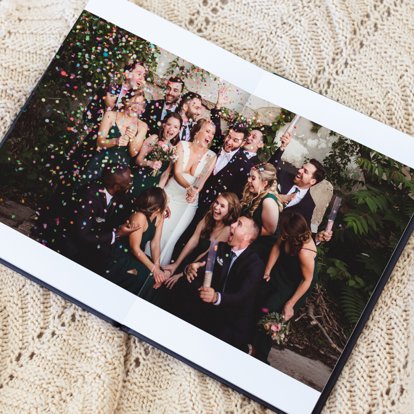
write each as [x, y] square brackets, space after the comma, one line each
[249, 222]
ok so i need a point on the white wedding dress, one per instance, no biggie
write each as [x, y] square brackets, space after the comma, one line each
[182, 212]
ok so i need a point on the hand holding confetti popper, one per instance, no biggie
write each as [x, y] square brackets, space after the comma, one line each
[211, 258]
[287, 135]
[332, 215]
[293, 124]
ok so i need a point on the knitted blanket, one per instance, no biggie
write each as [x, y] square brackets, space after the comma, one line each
[57, 358]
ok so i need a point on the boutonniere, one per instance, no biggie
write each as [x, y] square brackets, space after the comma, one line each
[219, 261]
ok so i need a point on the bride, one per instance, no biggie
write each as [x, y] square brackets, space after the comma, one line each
[194, 164]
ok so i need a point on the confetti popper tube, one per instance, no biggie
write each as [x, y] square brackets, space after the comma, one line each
[334, 211]
[211, 258]
[293, 124]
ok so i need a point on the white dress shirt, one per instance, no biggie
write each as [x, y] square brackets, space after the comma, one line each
[223, 159]
[300, 193]
[250, 154]
[167, 107]
[109, 198]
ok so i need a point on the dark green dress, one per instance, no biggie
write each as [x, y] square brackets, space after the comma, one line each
[179, 300]
[126, 270]
[144, 178]
[263, 244]
[285, 278]
[106, 157]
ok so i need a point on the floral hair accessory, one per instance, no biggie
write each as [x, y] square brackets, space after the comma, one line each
[260, 167]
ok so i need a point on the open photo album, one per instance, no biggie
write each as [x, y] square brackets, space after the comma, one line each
[232, 218]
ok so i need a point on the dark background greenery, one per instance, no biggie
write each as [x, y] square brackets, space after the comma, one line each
[93, 55]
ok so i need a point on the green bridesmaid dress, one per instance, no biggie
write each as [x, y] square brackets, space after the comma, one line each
[126, 270]
[263, 244]
[285, 278]
[144, 178]
[106, 157]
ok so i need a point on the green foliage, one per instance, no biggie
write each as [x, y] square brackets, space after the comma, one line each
[177, 68]
[270, 131]
[378, 201]
[352, 303]
[315, 127]
[342, 155]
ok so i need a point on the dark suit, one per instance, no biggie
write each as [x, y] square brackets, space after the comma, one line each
[88, 228]
[218, 134]
[153, 115]
[232, 177]
[305, 206]
[274, 159]
[185, 132]
[233, 320]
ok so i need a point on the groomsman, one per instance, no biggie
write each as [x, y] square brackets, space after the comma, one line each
[307, 176]
[227, 308]
[157, 110]
[254, 143]
[110, 96]
[93, 224]
[190, 109]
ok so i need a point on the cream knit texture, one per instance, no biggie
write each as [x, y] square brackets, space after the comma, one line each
[57, 358]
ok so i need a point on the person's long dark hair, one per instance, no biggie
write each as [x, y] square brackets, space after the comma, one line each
[151, 200]
[232, 215]
[294, 230]
[176, 116]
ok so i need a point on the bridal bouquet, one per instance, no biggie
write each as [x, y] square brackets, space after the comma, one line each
[273, 324]
[161, 152]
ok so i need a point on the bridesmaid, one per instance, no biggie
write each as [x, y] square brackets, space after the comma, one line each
[120, 137]
[215, 226]
[150, 172]
[290, 273]
[261, 203]
[132, 269]
[179, 295]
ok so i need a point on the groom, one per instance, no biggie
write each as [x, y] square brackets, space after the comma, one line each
[227, 308]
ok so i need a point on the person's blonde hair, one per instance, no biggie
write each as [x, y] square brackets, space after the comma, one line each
[250, 201]
[197, 128]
